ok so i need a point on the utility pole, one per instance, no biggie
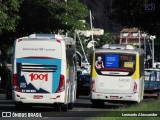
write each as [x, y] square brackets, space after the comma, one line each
[139, 33]
[91, 29]
[66, 16]
[144, 36]
[152, 38]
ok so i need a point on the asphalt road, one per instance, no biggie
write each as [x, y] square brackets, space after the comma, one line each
[82, 110]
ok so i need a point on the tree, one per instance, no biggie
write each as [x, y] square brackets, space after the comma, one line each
[50, 15]
[8, 14]
[143, 14]
[104, 39]
[8, 21]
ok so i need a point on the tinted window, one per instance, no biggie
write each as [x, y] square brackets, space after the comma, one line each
[120, 62]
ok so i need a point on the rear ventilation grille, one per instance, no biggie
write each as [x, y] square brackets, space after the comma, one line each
[39, 68]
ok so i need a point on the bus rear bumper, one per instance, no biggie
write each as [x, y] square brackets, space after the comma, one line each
[114, 97]
[39, 98]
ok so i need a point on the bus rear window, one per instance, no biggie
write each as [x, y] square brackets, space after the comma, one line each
[115, 62]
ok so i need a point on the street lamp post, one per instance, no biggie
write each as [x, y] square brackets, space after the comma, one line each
[139, 33]
[91, 29]
[152, 38]
[66, 16]
[144, 36]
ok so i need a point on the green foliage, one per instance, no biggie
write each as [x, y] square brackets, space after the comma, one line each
[74, 11]
[46, 16]
[150, 107]
[8, 14]
[140, 14]
[104, 39]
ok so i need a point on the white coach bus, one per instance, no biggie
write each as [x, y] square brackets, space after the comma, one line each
[117, 74]
[44, 71]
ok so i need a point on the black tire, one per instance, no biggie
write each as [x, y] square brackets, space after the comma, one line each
[8, 96]
[96, 103]
[57, 107]
[64, 107]
[77, 95]
[70, 105]
[19, 106]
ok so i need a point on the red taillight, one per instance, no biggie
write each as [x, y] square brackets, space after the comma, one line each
[135, 87]
[61, 86]
[19, 40]
[93, 85]
[58, 41]
[15, 83]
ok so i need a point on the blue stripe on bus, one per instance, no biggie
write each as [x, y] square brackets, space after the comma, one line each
[56, 75]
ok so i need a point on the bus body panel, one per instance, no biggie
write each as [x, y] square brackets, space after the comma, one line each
[35, 74]
[107, 84]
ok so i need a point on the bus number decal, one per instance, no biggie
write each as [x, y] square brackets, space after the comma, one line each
[39, 77]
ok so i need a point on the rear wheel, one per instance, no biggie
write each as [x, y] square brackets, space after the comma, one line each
[77, 95]
[18, 106]
[97, 103]
[21, 106]
[64, 107]
[70, 105]
[57, 107]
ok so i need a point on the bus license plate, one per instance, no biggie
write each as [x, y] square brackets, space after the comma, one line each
[37, 97]
[114, 97]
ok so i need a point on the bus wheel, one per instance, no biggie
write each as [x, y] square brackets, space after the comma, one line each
[57, 107]
[70, 105]
[19, 106]
[77, 95]
[96, 103]
[64, 107]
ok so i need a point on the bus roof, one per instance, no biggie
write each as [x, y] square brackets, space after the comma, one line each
[67, 40]
[119, 48]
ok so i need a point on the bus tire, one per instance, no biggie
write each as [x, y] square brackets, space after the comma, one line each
[64, 107]
[70, 105]
[96, 103]
[19, 106]
[57, 107]
[77, 95]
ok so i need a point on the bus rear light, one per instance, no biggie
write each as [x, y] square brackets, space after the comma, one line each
[18, 95]
[58, 96]
[61, 86]
[135, 87]
[93, 85]
[19, 40]
[58, 41]
[15, 83]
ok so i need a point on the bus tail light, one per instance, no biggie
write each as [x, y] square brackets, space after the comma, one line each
[58, 41]
[61, 86]
[15, 83]
[135, 87]
[93, 85]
